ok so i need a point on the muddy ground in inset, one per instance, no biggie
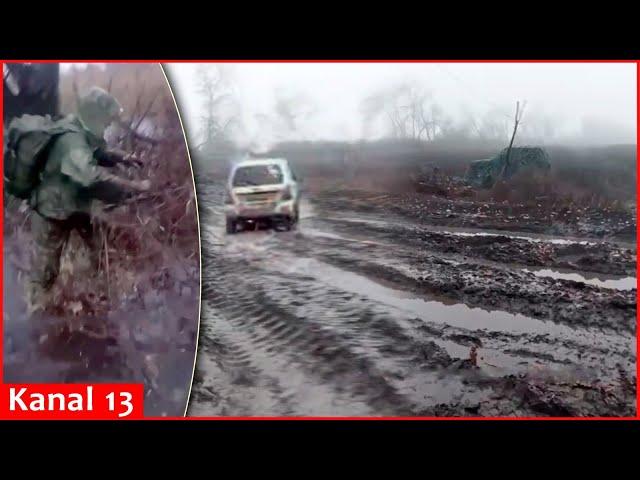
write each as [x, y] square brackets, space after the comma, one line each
[143, 339]
[369, 309]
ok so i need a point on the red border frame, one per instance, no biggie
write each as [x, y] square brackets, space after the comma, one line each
[637, 62]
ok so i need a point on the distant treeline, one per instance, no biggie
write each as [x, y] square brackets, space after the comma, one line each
[608, 171]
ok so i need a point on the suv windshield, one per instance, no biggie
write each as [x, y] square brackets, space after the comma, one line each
[257, 175]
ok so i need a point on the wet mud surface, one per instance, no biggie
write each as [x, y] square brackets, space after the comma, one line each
[365, 313]
[580, 221]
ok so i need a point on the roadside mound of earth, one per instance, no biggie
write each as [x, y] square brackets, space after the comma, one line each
[562, 220]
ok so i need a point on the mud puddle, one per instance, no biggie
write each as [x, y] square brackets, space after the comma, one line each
[334, 236]
[434, 311]
[624, 283]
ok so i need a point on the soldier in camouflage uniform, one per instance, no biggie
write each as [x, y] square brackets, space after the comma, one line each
[75, 174]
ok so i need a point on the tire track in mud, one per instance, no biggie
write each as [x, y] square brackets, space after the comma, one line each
[271, 333]
[229, 381]
[314, 369]
[367, 330]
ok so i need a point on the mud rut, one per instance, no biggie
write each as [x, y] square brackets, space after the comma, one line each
[331, 321]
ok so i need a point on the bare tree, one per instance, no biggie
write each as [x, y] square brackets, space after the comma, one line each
[221, 111]
[409, 110]
[517, 120]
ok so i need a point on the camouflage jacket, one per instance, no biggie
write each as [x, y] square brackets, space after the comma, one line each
[75, 175]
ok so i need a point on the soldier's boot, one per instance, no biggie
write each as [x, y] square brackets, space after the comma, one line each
[50, 237]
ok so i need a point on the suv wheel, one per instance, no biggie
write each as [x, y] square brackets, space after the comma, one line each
[283, 224]
[231, 226]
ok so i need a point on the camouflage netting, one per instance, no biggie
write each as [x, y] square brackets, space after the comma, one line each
[484, 173]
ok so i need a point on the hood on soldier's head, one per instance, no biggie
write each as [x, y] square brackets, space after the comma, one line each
[97, 109]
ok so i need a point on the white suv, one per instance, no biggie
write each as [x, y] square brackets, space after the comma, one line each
[263, 189]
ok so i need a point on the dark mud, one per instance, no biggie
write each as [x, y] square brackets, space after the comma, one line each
[365, 318]
[581, 221]
[147, 339]
[557, 253]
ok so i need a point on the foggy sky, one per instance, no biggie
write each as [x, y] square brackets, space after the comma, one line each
[572, 95]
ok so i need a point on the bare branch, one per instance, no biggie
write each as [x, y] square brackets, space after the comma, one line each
[147, 110]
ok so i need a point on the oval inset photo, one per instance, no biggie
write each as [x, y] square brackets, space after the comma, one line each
[101, 246]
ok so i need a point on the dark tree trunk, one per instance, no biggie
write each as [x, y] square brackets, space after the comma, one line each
[32, 89]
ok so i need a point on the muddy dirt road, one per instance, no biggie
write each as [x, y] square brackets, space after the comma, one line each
[368, 313]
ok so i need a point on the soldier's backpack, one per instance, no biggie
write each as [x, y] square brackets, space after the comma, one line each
[28, 140]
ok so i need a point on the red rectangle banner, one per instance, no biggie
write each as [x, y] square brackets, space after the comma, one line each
[71, 401]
